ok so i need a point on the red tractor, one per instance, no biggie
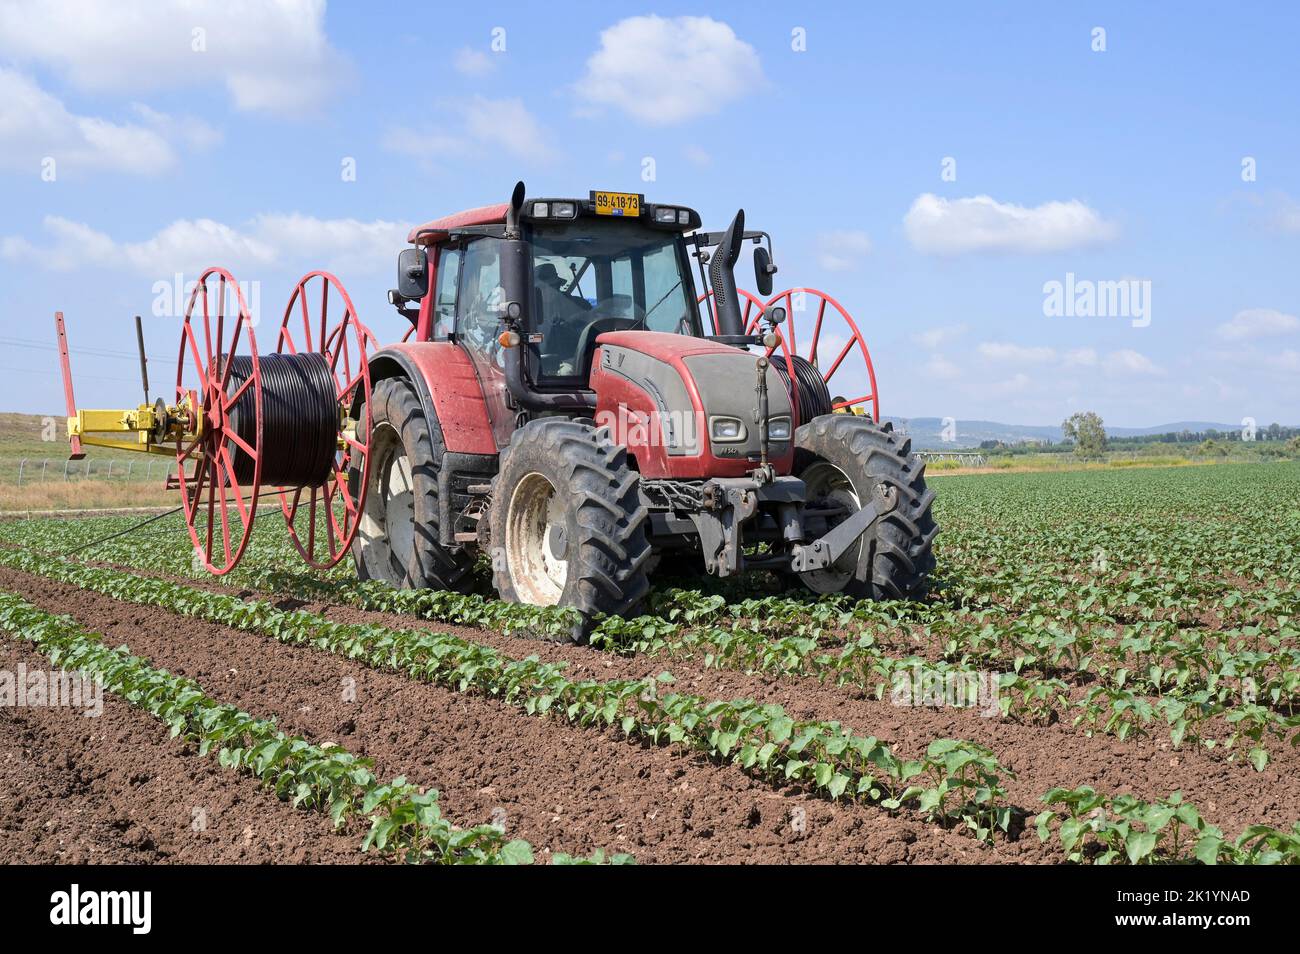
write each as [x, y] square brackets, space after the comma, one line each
[562, 407]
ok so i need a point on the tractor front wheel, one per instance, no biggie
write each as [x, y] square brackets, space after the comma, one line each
[843, 459]
[567, 524]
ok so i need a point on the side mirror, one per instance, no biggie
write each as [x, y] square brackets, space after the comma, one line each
[413, 273]
[763, 271]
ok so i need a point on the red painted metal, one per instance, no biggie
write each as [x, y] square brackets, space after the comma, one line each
[457, 394]
[206, 357]
[437, 230]
[347, 344]
[749, 316]
[74, 441]
[854, 350]
[618, 400]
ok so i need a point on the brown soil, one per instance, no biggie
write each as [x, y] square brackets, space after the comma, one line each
[116, 789]
[562, 788]
[1230, 794]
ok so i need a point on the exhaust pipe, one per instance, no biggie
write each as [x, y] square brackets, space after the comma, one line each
[722, 278]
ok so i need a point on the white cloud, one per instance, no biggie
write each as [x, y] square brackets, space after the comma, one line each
[485, 125]
[194, 133]
[269, 241]
[940, 226]
[663, 71]
[271, 57]
[473, 62]
[933, 338]
[1016, 354]
[1285, 360]
[1129, 362]
[941, 368]
[1080, 358]
[1258, 323]
[842, 250]
[35, 124]
[699, 156]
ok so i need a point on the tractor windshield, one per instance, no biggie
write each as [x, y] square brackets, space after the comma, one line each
[591, 276]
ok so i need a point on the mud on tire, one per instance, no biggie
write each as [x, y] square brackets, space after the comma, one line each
[567, 523]
[895, 559]
[397, 540]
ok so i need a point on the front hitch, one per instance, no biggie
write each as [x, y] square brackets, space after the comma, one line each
[827, 549]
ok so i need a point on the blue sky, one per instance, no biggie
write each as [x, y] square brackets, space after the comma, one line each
[830, 124]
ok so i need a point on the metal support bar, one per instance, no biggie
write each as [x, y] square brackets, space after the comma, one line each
[825, 550]
[74, 441]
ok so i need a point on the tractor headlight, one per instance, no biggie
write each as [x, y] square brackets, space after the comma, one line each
[541, 209]
[666, 216]
[683, 217]
[563, 210]
[726, 430]
[778, 429]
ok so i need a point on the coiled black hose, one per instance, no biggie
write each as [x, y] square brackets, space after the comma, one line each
[814, 397]
[300, 419]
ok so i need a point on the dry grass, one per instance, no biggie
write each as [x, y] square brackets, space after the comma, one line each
[85, 495]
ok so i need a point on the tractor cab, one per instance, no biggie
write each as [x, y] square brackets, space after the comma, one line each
[574, 270]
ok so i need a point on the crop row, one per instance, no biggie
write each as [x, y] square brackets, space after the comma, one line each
[1153, 674]
[956, 782]
[1149, 674]
[404, 821]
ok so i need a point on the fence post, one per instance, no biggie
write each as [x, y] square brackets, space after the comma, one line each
[66, 463]
[21, 462]
[44, 464]
[87, 466]
[130, 465]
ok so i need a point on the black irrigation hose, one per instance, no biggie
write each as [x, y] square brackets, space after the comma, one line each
[814, 397]
[122, 533]
[300, 419]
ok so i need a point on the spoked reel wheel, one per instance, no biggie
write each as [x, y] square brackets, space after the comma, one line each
[820, 330]
[751, 309]
[219, 386]
[323, 518]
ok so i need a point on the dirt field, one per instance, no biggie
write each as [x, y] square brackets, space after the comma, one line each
[1018, 570]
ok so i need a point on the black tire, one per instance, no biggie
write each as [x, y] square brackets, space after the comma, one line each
[567, 523]
[397, 541]
[894, 559]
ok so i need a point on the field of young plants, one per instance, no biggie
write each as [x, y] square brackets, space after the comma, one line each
[1107, 672]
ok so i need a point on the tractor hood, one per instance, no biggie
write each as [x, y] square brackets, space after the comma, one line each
[701, 398]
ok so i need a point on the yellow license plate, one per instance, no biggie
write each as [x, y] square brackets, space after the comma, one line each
[617, 203]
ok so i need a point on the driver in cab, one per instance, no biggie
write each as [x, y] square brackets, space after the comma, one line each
[564, 316]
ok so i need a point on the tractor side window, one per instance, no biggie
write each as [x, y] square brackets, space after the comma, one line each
[478, 303]
[444, 302]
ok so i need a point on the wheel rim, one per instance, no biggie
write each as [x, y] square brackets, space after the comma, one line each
[209, 345]
[826, 484]
[331, 514]
[387, 525]
[536, 542]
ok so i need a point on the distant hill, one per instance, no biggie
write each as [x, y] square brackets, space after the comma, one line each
[927, 432]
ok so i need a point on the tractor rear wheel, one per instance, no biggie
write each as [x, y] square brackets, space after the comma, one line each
[397, 539]
[567, 524]
[842, 459]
